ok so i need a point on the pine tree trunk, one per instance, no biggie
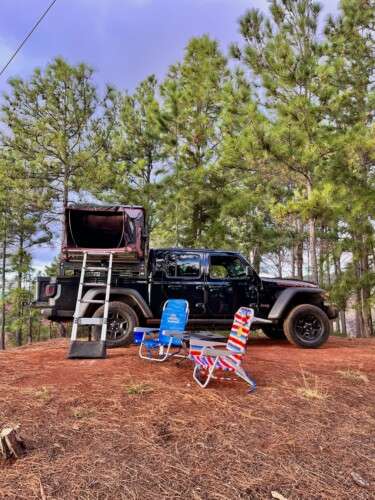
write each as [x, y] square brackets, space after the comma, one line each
[342, 318]
[299, 250]
[342, 314]
[293, 260]
[328, 266]
[65, 201]
[30, 330]
[19, 329]
[279, 263]
[367, 329]
[358, 316]
[312, 249]
[62, 330]
[336, 325]
[312, 241]
[195, 226]
[177, 194]
[256, 260]
[321, 261]
[365, 294]
[3, 283]
[308, 259]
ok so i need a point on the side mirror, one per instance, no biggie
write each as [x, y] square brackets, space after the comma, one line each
[249, 271]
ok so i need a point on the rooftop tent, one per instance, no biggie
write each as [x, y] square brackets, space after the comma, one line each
[104, 228]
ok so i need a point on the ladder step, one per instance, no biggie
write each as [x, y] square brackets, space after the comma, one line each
[92, 301]
[95, 284]
[99, 252]
[90, 321]
[96, 268]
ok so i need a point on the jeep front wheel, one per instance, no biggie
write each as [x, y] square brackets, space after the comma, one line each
[121, 322]
[307, 326]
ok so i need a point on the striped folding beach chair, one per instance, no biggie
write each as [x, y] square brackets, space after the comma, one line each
[207, 358]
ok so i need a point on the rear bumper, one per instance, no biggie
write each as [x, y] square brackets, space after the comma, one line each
[56, 314]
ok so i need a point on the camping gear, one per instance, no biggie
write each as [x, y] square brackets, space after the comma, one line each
[169, 335]
[208, 358]
[138, 335]
[213, 337]
[95, 228]
[91, 349]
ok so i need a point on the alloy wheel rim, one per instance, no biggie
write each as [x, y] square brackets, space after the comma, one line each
[308, 328]
[117, 326]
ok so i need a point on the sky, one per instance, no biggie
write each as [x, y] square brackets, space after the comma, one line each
[123, 40]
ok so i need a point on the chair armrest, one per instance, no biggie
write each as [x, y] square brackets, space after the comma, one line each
[206, 344]
[145, 330]
[174, 333]
[216, 352]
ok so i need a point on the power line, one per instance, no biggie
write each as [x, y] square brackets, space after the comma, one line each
[28, 35]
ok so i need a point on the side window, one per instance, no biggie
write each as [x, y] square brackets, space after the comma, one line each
[158, 268]
[183, 266]
[226, 266]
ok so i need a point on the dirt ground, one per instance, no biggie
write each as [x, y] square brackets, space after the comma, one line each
[122, 428]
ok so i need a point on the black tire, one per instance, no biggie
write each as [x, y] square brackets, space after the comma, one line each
[274, 332]
[307, 326]
[121, 321]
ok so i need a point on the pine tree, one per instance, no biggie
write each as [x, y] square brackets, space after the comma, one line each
[54, 126]
[193, 95]
[26, 204]
[283, 54]
[350, 96]
[132, 164]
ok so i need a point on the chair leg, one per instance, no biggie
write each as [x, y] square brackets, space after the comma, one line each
[168, 354]
[240, 372]
[161, 352]
[141, 355]
[209, 375]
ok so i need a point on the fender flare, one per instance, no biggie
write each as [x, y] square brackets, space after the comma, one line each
[286, 296]
[92, 293]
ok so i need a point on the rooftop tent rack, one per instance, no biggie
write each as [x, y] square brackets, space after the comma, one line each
[98, 229]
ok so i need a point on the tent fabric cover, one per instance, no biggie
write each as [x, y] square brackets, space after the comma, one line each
[97, 227]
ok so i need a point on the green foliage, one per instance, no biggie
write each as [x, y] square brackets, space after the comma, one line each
[132, 163]
[193, 98]
[52, 269]
[55, 127]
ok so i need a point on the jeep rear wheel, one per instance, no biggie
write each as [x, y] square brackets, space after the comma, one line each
[273, 332]
[121, 322]
[307, 326]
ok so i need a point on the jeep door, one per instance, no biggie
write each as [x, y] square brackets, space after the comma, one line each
[184, 279]
[229, 285]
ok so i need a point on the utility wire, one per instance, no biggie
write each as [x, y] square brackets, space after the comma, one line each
[28, 35]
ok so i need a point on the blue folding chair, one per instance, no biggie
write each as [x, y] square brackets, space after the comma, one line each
[169, 335]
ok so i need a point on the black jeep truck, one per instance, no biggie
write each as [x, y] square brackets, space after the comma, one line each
[215, 283]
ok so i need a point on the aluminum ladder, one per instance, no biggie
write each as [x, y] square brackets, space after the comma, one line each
[91, 349]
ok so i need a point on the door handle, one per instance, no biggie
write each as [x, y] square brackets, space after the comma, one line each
[199, 287]
[218, 288]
